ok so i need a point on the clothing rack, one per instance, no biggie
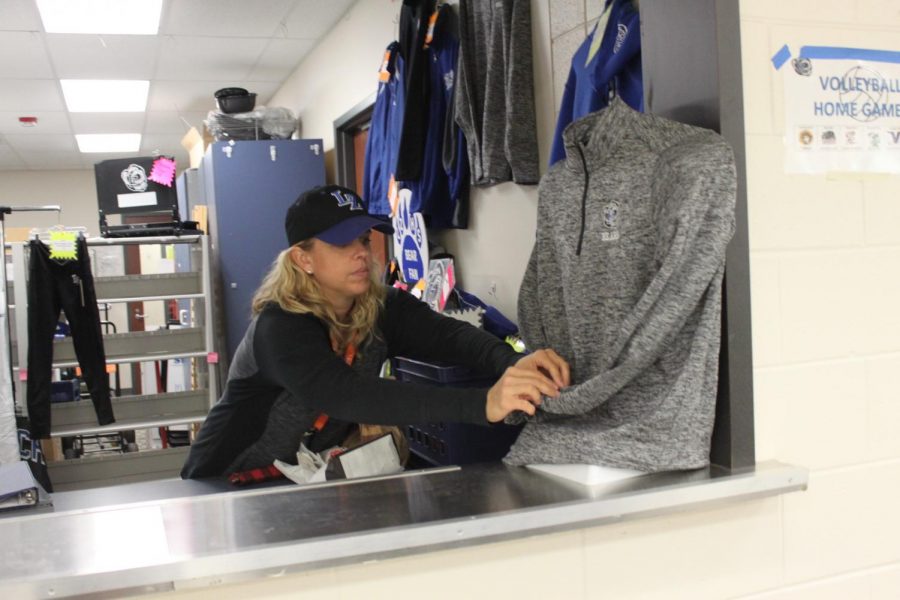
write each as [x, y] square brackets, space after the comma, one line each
[37, 233]
[9, 441]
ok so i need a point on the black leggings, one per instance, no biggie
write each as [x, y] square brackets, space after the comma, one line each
[66, 285]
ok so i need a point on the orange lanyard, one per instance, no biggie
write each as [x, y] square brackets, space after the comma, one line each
[322, 419]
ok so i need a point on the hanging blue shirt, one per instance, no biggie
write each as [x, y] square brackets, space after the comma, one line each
[617, 62]
[384, 133]
[441, 192]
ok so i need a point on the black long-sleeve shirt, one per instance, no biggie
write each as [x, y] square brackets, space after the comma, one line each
[285, 374]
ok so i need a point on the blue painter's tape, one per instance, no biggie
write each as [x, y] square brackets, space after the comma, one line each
[781, 57]
[834, 53]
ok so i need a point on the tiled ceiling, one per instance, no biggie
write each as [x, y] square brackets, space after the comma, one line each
[202, 45]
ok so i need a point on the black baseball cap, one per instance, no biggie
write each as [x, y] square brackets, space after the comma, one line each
[332, 214]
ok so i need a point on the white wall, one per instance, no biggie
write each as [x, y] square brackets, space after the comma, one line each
[75, 191]
[825, 292]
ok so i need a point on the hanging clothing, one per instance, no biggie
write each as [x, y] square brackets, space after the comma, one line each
[384, 133]
[286, 373]
[441, 192]
[414, 25]
[616, 65]
[494, 101]
[66, 285]
[625, 282]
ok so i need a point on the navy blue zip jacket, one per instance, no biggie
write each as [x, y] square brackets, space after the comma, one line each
[616, 63]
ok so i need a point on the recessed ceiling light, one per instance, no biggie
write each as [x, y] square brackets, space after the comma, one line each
[136, 17]
[105, 95]
[108, 142]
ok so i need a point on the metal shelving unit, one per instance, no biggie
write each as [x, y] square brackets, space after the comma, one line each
[196, 342]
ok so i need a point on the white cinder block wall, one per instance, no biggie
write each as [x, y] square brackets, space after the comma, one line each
[825, 261]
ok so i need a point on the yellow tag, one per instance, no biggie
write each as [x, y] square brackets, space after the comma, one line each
[599, 30]
[393, 195]
[62, 245]
[429, 37]
[383, 73]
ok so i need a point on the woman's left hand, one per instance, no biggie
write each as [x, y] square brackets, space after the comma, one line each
[549, 363]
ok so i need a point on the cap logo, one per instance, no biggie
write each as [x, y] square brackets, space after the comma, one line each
[345, 199]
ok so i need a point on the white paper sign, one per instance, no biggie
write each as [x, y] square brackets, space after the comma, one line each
[842, 109]
[410, 240]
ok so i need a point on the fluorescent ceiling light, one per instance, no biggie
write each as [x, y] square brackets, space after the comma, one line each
[105, 95]
[136, 17]
[108, 142]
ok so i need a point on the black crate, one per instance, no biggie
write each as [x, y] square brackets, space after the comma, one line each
[437, 373]
[441, 444]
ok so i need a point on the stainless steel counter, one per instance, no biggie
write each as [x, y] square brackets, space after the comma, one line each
[152, 537]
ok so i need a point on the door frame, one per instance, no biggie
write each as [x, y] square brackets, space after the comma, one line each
[344, 128]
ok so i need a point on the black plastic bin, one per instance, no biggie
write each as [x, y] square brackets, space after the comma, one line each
[440, 444]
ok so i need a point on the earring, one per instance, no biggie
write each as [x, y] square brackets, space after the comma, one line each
[309, 272]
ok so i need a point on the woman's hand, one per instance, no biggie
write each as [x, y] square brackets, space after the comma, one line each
[518, 389]
[549, 363]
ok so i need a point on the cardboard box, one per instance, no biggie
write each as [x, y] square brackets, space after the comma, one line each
[196, 143]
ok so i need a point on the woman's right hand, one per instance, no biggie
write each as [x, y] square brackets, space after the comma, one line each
[518, 389]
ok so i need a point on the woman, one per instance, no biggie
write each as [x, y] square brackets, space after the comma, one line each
[308, 366]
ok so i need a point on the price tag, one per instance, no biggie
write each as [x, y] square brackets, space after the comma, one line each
[62, 245]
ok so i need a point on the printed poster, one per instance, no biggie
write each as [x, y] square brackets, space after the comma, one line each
[842, 109]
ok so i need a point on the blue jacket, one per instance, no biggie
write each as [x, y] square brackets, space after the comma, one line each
[441, 192]
[384, 133]
[616, 63]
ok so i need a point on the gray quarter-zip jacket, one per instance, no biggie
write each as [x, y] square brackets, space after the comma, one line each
[494, 96]
[625, 282]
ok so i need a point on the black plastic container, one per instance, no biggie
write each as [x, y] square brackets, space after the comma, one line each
[236, 103]
[440, 444]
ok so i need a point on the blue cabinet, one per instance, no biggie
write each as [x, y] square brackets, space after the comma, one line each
[248, 187]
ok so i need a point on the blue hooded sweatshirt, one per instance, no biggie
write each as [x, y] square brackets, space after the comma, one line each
[616, 64]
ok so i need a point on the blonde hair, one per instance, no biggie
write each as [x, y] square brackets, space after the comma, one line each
[292, 289]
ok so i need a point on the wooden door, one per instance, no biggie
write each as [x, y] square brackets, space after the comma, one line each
[379, 240]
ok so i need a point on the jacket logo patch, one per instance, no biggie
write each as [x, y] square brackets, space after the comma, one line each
[621, 34]
[610, 222]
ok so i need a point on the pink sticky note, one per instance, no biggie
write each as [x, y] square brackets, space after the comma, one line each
[212, 357]
[163, 171]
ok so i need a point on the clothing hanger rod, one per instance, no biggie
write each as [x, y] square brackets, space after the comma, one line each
[48, 208]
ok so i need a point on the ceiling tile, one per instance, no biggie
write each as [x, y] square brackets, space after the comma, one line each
[313, 19]
[103, 57]
[41, 142]
[280, 58]
[30, 95]
[181, 96]
[197, 96]
[204, 45]
[237, 18]
[48, 122]
[208, 59]
[132, 122]
[173, 122]
[30, 60]
[20, 15]
[163, 144]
